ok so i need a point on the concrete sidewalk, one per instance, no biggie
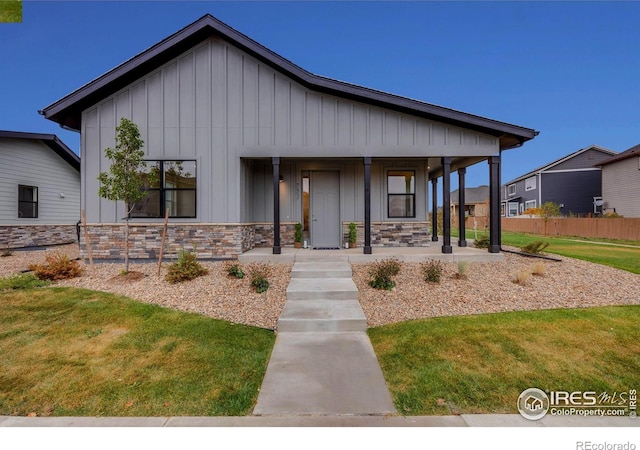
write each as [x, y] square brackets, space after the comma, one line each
[464, 420]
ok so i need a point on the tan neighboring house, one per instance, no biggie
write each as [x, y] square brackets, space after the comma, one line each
[476, 206]
[621, 183]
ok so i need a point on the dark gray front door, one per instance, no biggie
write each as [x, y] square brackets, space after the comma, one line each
[325, 209]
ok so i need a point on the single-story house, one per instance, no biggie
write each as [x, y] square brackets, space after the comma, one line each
[621, 183]
[39, 190]
[239, 123]
[572, 182]
[476, 205]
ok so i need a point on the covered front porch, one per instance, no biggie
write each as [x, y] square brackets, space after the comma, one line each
[382, 196]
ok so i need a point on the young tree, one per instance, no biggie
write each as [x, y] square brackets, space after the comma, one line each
[125, 180]
[548, 210]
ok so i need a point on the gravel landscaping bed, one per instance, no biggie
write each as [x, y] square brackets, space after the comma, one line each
[215, 295]
[489, 288]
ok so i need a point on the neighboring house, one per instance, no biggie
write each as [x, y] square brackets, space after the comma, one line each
[621, 183]
[228, 122]
[39, 190]
[572, 182]
[476, 204]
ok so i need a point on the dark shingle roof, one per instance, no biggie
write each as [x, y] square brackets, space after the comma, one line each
[50, 140]
[629, 153]
[68, 110]
[478, 194]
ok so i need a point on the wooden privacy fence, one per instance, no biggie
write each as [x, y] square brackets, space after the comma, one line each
[614, 228]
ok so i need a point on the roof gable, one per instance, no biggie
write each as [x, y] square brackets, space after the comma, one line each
[50, 140]
[68, 110]
[562, 160]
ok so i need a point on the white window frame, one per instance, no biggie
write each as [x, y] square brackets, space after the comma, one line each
[529, 204]
[509, 190]
[509, 205]
[530, 183]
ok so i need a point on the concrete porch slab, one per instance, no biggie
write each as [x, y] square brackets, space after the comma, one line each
[355, 255]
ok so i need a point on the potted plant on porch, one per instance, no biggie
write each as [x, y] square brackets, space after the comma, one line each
[352, 235]
[297, 235]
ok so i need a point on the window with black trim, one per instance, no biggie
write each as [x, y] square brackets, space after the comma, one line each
[27, 202]
[170, 185]
[401, 194]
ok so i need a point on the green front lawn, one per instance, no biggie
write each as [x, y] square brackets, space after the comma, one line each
[603, 252]
[481, 364]
[75, 352]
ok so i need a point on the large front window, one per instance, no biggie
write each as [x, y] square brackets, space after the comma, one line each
[401, 194]
[173, 187]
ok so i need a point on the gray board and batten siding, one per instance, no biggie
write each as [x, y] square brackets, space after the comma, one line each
[225, 109]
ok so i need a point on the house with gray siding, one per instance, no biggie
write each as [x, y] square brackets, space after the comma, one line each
[572, 182]
[248, 143]
[39, 190]
[621, 183]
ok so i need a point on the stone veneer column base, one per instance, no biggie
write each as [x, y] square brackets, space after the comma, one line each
[392, 234]
[19, 236]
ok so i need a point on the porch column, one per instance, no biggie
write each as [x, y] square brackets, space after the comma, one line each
[495, 240]
[276, 206]
[446, 205]
[434, 209]
[367, 205]
[462, 239]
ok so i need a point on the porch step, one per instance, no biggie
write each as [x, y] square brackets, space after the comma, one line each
[321, 270]
[322, 315]
[322, 288]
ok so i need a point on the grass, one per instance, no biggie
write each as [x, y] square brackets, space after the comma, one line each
[75, 352]
[603, 252]
[480, 364]
[10, 11]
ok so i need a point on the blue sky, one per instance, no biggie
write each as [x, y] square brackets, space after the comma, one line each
[568, 69]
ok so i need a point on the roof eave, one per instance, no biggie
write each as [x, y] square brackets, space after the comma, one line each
[68, 110]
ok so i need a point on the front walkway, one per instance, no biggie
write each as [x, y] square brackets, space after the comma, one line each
[323, 362]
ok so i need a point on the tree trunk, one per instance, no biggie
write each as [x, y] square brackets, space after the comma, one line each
[126, 244]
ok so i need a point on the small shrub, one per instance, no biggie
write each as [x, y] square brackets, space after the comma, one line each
[522, 277]
[534, 248]
[383, 272]
[6, 252]
[57, 266]
[612, 215]
[185, 268]
[297, 233]
[22, 281]
[233, 269]
[353, 233]
[539, 269]
[259, 274]
[463, 266]
[432, 271]
[481, 242]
